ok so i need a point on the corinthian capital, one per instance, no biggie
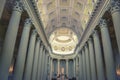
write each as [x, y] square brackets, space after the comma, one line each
[115, 6]
[18, 6]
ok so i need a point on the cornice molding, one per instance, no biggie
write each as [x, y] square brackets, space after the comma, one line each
[93, 21]
[31, 8]
[58, 56]
[56, 28]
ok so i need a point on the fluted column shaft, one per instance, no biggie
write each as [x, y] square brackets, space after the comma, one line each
[42, 59]
[84, 64]
[43, 65]
[55, 67]
[64, 64]
[20, 61]
[35, 60]
[71, 70]
[115, 11]
[48, 67]
[92, 60]
[74, 67]
[67, 67]
[9, 42]
[98, 57]
[87, 62]
[45, 70]
[108, 53]
[58, 66]
[81, 66]
[77, 69]
[29, 61]
[39, 62]
[2, 6]
[51, 70]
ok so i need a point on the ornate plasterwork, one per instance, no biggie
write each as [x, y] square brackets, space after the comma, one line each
[65, 13]
[68, 12]
[63, 41]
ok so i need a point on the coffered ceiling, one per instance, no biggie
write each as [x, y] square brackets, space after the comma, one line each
[72, 14]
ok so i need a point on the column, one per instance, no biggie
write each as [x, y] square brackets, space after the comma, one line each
[39, 62]
[74, 68]
[87, 62]
[29, 60]
[92, 59]
[67, 67]
[81, 66]
[48, 72]
[55, 67]
[43, 65]
[9, 42]
[53, 73]
[78, 67]
[20, 61]
[108, 53]
[48, 67]
[71, 75]
[98, 57]
[58, 67]
[51, 69]
[115, 11]
[64, 64]
[84, 64]
[2, 6]
[76, 73]
[35, 60]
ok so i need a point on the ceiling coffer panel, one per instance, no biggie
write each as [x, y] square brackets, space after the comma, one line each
[64, 19]
[64, 11]
[78, 6]
[64, 3]
[52, 15]
[51, 5]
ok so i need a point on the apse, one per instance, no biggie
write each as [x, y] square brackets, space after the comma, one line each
[63, 41]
